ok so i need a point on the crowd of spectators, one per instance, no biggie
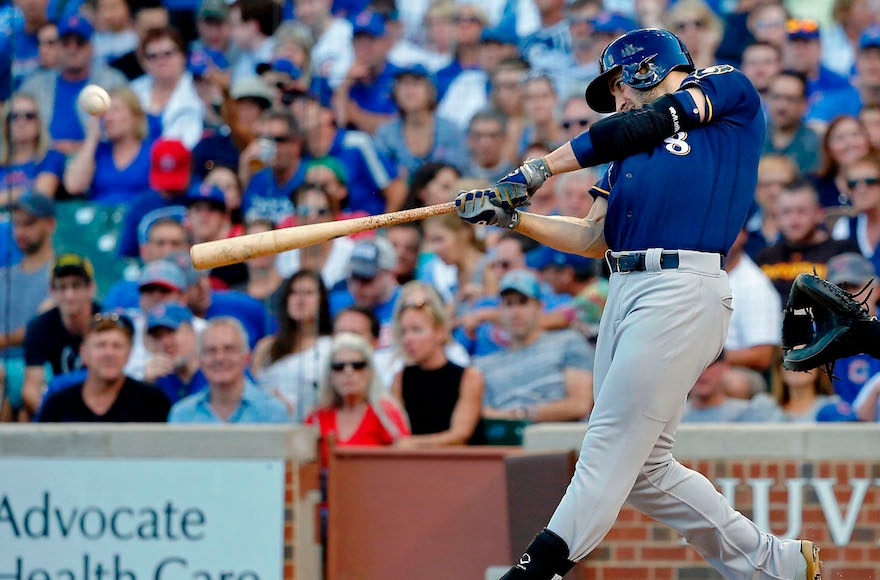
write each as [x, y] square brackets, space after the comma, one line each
[231, 118]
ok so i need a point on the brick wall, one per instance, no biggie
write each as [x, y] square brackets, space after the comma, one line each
[301, 518]
[638, 548]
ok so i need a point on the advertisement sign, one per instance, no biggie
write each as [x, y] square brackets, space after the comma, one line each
[141, 519]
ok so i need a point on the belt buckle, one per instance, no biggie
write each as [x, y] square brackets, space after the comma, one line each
[628, 260]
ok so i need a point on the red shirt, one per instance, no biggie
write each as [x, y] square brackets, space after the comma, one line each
[371, 431]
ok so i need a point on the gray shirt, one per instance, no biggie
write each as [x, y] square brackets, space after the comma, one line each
[759, 409]
[447, 147]
[21, 294]
[523, 377]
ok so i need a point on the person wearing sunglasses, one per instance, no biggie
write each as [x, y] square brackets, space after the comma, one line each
[577, 116]
[167, 91]
[57, 90]
[314, 206]
[27, 161]
[106, 395]
[698, 27]
[352, 404]
[231, 396]
[863, 182]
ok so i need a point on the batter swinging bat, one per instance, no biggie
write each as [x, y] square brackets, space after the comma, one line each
[233, 250]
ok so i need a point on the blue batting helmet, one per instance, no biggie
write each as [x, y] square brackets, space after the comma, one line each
[644, 57]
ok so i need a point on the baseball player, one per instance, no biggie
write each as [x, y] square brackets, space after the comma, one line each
[684, 150]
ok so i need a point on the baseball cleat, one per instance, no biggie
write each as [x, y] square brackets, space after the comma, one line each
[811, 555]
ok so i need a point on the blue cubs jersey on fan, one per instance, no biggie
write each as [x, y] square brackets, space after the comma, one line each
[669, 196]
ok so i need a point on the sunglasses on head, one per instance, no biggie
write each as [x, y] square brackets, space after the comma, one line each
[27, 115]
[108, 320]
[582, 123]
[357, 365]
[853, 183]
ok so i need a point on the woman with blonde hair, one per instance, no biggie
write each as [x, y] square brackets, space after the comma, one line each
[443, 400]
[116, 168]
[26, 160]
[698, 27]
[353, 408]
[459, 265]
[801, 395]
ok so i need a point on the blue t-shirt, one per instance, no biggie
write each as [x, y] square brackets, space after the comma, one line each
[852, 373]
[175, 389]
[138, 208]
[25, 53]
[65, 125]
[693, 191]
[340, 298]
[249, 311]
[113, 185]
[375, 97]
[443, 78]
[267, 197]
[23, 174]
[368, 172]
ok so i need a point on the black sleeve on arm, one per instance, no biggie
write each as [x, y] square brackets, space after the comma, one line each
[637, 130]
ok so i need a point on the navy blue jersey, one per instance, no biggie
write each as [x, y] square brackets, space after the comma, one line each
[693, 191]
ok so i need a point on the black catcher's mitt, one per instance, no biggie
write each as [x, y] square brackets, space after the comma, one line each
[824, 321]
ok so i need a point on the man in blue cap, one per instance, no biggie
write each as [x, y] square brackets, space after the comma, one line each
[173, 363]
[57, 90]
[542, 375]
[363, 99]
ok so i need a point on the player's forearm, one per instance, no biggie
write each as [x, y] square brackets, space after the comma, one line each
[582, 236]
[562, 160]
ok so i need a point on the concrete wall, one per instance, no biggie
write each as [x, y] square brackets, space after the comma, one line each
[296, 446]
[820, 482]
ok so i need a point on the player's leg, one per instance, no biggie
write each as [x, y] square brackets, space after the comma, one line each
[666, 330]
[683, 499]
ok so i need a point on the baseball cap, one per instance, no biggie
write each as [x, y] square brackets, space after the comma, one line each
[200, 60]
[333, 164]
[802, 29]
[850, 268]
[520, 281]
[215, 9]
[870, 37]
[369, 23]
[35, 205]
[168, 315]
[415, 70]
[367, 258]
[207, 192]
[73, 265]
[163, 273]
[170, 163]
[612, 22]
[499, 35]
[549, 258]
[252, 88]
[75, 25]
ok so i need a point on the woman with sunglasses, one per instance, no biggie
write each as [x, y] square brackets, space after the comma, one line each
[698, 27]
[116, 168]
[167, 91]
[313, 205]
[26, 160]
[352, 407]
[863, 183]
[443, 400]
[289, 363]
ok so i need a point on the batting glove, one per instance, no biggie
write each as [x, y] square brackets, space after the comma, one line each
[515, 188]
[477, 206]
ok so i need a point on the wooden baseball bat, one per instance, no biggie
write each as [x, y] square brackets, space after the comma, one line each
[233, 250]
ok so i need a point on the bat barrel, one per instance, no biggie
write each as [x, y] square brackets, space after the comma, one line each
[234, 250]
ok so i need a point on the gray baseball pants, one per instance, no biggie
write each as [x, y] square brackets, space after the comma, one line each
[659, 331]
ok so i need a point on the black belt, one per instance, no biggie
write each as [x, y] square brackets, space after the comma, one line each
[635, 261]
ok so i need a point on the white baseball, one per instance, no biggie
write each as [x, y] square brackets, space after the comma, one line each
[94, 100]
